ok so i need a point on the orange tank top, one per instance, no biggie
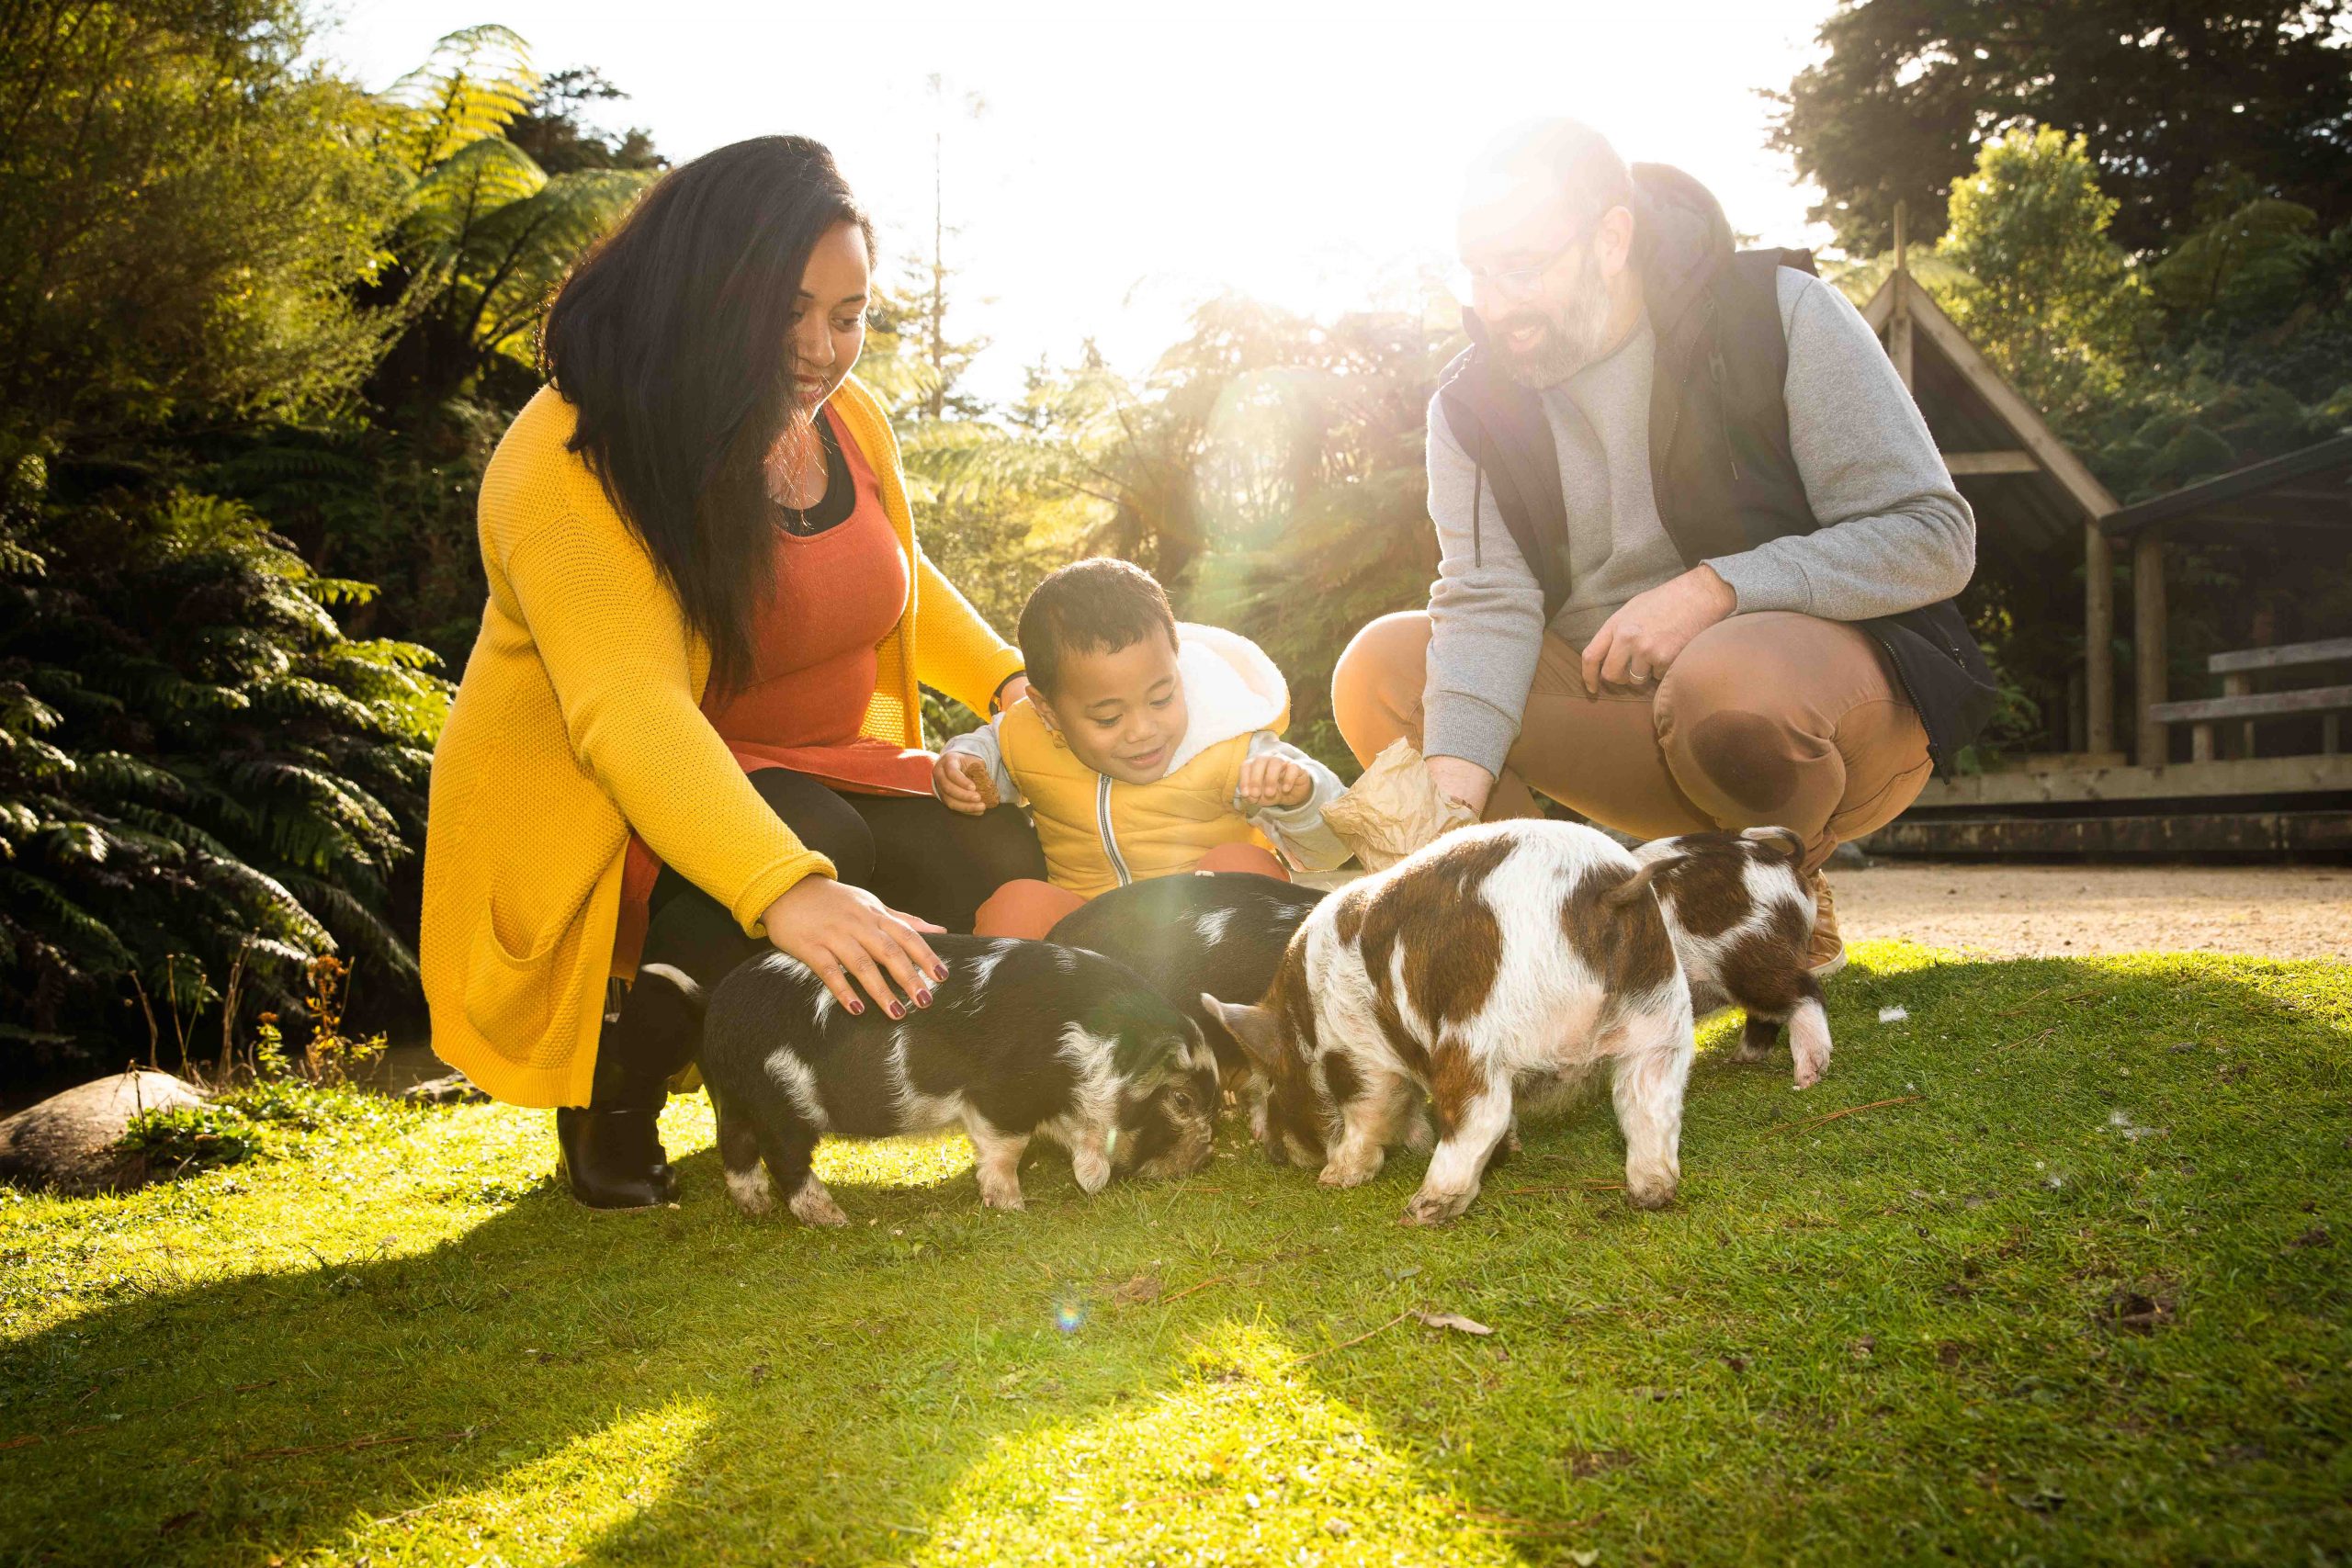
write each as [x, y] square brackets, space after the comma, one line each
[834, 596]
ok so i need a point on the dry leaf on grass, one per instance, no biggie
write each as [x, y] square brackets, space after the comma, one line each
[1453, 1320]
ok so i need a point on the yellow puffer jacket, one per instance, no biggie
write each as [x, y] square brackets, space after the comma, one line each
[1100, 833]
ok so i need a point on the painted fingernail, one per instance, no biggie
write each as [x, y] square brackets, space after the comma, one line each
[897, 1011]
[940, 973]
[855, 1007]
[922, 998]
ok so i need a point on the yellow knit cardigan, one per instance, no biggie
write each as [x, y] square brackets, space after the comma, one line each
[579, 718]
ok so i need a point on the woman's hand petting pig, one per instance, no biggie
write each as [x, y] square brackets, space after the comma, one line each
[961, 782]
[839, 932]
[1273, 781]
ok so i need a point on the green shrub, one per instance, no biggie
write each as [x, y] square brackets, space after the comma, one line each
[272, 1118]
[204, 782]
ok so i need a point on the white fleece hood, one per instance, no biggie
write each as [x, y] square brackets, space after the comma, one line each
[1231, 688]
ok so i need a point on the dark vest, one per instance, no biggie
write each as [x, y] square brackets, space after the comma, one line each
[1725, 474]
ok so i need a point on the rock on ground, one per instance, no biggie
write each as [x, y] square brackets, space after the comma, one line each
[67, 1142]
[452, 1089]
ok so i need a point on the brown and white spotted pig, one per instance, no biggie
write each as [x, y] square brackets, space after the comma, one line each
[1741, 917]
[1512, 957]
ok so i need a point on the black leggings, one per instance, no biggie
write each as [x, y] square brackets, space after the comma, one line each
[910, 852]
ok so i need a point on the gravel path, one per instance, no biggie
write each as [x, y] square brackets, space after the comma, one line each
[2028, 910]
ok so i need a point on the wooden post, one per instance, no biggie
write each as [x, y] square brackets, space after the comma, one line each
[2098, 639]
[1898, 326]
[2238, 686]
[2148, 652]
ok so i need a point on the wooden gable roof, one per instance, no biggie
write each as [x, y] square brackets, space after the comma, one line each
[2028, 489]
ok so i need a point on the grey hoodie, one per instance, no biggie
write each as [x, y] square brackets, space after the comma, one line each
[1895, 532]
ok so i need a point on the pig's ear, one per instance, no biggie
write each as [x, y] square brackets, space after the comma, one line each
[1252, 1027]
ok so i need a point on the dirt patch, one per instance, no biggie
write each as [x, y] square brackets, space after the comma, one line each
[2017, 911]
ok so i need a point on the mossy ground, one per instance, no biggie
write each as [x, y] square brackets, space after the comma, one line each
[2078, 1293]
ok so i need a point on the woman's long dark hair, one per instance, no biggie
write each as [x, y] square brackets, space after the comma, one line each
[672, 338]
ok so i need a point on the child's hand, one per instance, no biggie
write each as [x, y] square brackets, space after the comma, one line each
[1274, 781]
[961, 781]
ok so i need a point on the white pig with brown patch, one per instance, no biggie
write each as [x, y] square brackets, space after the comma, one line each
[1504, 960]
[1741, 917]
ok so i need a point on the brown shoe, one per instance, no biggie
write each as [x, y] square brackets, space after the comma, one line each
[1828, 951]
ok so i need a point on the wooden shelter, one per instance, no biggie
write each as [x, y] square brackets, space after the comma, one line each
[2031, 493]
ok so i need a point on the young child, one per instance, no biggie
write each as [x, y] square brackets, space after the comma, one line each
[1144, 748]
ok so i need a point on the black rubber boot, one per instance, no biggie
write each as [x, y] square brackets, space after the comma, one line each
[610, 1151]
[613, 1158]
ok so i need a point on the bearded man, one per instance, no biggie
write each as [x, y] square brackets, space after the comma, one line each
[1697, 550]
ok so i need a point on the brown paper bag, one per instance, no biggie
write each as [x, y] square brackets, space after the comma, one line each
[1393, 809]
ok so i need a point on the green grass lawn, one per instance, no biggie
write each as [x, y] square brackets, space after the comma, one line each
[2079, 1292]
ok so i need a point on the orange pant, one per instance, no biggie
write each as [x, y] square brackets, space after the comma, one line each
[1768, 719]
[1029, 908]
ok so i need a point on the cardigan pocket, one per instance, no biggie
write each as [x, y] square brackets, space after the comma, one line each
[511, 996]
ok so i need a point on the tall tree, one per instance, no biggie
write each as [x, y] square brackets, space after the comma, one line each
[487, 233]
[201, 774]
[554, 126]
[184, 204]
[944, 359]
[2039, 286]
[2168, 94]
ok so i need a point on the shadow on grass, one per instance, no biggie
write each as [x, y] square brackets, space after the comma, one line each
[691, 1385]
[2021, 1306]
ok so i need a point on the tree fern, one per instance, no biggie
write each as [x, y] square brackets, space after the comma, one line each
[475, 81]
[195, 764]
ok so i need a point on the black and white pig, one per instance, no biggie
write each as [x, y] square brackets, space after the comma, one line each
[1741, 917]
[1513, 957]
[1218, 933]
[1022, 1039]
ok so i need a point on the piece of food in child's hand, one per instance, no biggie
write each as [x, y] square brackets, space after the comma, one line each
[976, 774]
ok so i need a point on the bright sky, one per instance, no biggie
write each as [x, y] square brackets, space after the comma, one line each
[1130, 159]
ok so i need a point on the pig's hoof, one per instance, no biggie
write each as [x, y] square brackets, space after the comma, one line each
[1093, 1173]
[752, 1191]
[1347, 1176]
[812, 1205]
[1000, 1198]
[1651, 1196]
[1434, 1208]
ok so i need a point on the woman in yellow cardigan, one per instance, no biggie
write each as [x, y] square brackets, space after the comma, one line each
[689, 728]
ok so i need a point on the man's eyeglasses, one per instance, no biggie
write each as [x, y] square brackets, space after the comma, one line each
[1517, 283]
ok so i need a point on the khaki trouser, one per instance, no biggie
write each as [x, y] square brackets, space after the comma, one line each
[1772, 719]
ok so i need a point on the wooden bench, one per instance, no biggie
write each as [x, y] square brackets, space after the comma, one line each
[2240, 702]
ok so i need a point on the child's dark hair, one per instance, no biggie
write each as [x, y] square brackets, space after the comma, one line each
[1091, 606]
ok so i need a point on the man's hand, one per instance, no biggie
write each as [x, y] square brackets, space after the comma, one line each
[961, 782]
[1634, 647]
[1457, 779]
[1273, 781]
